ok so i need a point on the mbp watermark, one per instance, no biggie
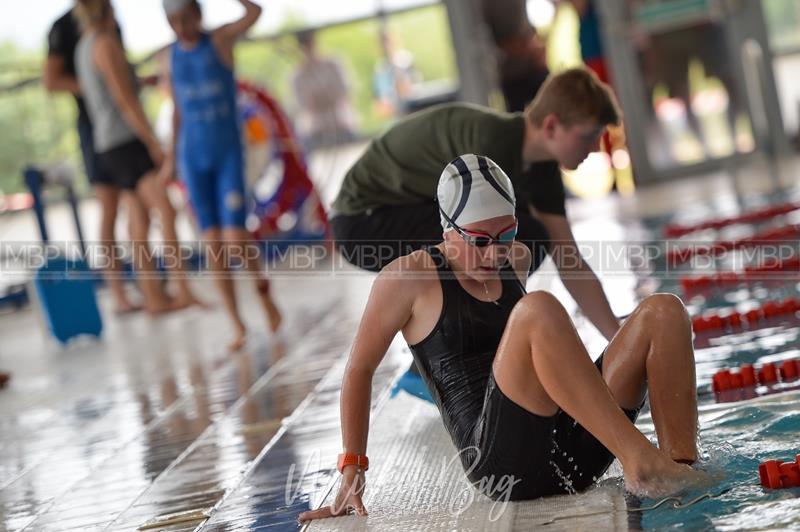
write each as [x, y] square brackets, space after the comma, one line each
[659, 260]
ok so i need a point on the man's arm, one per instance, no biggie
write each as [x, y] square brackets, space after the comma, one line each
[520, 258]
[579, 279]
[55, 78]
[226, 36]
[59, 47]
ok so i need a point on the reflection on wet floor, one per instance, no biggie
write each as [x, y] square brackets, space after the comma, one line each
[294, 473]
[172, 426]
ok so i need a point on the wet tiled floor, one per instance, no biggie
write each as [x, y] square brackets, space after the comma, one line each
[156, 418]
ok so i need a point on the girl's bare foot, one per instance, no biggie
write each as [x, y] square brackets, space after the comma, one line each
[188, 300]
[659, 476]
[239, 338]
[4, 378]
[126, 307]
[162, 306]
[274, 317]
[156, 300]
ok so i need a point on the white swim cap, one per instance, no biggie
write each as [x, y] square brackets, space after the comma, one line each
[473, 188]
[173, 6]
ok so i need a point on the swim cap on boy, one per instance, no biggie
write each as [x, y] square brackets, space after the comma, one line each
[173, 6]
[473, 188]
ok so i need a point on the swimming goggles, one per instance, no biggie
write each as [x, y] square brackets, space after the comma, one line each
[480, 239]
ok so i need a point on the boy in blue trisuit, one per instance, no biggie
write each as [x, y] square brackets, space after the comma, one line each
[207, 147]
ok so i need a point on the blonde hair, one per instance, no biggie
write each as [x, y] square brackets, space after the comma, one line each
[575, 95]
[90, 13]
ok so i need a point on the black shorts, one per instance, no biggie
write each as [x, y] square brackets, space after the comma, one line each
[127, 163]
[521, 455]
[91, 160]
[374, 239]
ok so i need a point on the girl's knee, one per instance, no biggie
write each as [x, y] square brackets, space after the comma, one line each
[539, 305]
[665, 309]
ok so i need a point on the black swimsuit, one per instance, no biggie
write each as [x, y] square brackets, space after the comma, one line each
[495, 436]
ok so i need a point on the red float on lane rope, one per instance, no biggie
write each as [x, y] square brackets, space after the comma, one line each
[780, 475]
[676, 256]
[678, 230]
[729, 379]
[726, 318]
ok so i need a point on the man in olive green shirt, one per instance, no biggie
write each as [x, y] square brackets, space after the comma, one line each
[386, 208]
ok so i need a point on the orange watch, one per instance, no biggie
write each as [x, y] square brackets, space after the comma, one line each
[346, 459]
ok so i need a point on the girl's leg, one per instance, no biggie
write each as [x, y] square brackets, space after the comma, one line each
[156, 300]
[154, 196]
[542, 365]
[235, 236]
[653, 350]
[216, 253]
[108, 196]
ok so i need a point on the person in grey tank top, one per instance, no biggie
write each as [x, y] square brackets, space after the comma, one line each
[126, 146]
[110, 127]
[59, 75]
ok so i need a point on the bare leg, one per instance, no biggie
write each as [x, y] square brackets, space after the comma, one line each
[216, 258]
[155, 197]
[4, 378]
[108, 196]
[653, 349]
[240, 237]
[542, 365]
[156, 300]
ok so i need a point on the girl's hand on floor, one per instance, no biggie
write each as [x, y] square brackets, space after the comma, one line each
[348, 500]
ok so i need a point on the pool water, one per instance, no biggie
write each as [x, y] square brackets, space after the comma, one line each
[737, 435]
[735, 438]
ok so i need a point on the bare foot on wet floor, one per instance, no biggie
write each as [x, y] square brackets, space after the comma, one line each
[183, 301]
[274, 317]
[662, 476]
[126, 308]
[239, 338]
[157, 308]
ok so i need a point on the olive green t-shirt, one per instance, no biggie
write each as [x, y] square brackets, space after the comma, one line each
[402, 166]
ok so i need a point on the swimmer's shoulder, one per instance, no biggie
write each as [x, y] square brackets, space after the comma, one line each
[411, 265]
[412, 273]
